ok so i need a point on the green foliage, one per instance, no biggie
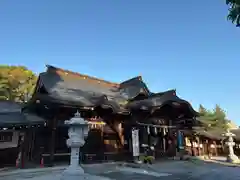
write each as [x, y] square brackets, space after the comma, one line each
[202, 111]
[146, 159]
[215, 119]
[220, 118]
[3, 87]
[205, 117]
[234, 11]
[16, 83]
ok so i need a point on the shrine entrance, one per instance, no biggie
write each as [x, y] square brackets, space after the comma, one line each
[161, 137]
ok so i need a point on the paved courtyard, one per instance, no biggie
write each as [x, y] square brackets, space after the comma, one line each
[183, 171]
[173, 170]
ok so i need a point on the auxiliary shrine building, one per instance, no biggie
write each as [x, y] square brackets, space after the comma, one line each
[112, 111]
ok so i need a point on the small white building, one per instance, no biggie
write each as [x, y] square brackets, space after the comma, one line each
[9, 139]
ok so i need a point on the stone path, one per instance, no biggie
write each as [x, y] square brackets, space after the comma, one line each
[199, 171]
[173, 170]
[180, 170]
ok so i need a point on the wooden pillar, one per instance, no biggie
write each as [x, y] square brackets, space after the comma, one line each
[52, 141]
[20, 156]
[121, 135]
[202, 141]
[103, 145]
[24, 147]
[222, 148]
[201, 147]
[170, 134]
[31, 142]
[149, 136]
[198, 146]
[192, 147]
[207, 147]
[215, 148]
[170, 128]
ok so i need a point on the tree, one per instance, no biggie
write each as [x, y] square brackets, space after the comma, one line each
[16, 83]
[220, 119]
[3, 87]
[234, 11]
[215, 119]
[202, 110]
[205, 118]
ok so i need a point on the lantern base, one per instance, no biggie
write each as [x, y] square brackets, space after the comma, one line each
[78, 174]
[82, 177]
[73, 170]
[232, 158]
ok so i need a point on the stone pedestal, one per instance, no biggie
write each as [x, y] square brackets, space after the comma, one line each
[232, 158]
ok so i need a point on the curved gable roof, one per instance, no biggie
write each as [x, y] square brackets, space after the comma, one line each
[82, 90]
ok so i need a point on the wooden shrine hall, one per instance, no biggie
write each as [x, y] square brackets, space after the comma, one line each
[112, 110]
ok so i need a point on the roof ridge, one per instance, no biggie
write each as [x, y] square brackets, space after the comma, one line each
[129, 80]
[83, 75]
[164, 92]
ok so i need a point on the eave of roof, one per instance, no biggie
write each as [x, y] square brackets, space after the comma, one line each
[17, 119]
[7, 106]
[158, 100]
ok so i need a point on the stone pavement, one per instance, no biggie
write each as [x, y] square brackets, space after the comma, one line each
[170, 170]
[199, 170]
[223, 161]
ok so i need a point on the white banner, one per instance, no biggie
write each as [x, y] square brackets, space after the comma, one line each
[135, 142]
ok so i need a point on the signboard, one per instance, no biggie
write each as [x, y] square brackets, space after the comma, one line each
[135, 142]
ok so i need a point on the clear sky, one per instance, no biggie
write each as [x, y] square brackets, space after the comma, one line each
[187, 45]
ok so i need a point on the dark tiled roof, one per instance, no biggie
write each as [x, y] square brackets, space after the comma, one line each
[33, 119]
[11, 115]
[159, 94]
[215, 134]
[158, 100]
[19, 119]
[75, 88]
[65, 86]
[11, 119]
[78, 75]
[212, 134]
[9, 106]
[133, 87]
[58, 79]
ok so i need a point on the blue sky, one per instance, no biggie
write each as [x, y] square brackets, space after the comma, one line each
[187, 45]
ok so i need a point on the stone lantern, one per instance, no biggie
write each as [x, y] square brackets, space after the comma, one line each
[230, 143]
[77, 132]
